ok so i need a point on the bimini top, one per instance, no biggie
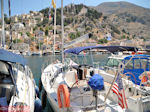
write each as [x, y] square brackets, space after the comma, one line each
[112, 49]
[12, 57]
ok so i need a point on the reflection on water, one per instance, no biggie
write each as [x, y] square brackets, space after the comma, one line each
[36, 63]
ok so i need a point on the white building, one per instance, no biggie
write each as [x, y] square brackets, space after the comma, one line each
[18, 26]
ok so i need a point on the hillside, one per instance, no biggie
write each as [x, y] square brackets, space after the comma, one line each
[130, 18]
[119, 20]
[116, 7]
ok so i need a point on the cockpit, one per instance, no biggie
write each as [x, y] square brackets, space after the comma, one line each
[6, 81]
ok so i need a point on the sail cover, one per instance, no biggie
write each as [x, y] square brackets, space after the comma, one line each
[112, 49]
[96, 82]
[12, 57]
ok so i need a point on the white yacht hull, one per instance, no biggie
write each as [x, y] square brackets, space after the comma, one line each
[135, 103]
[52, 91]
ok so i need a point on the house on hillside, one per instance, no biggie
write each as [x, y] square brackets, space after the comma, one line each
[29, 29]
[147, 44]
[137, 42]
[108, 36]
[39, 33]
[18, 26]
[14, 19]
[80, 29]
[22, 47]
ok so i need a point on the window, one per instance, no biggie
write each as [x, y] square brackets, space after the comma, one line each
[137, 64]
[129, 64]
[116, 63]
[110, 62]
[113, 62]
[144, 64]
[4, 68]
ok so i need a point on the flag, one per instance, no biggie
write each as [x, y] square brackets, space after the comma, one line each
[118, 90]
[49, 13]
[54, 4]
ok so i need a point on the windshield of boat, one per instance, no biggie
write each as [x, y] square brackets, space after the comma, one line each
[15, 68]
[4, 68]
[5, 76]
[137, 64]
[113, 62]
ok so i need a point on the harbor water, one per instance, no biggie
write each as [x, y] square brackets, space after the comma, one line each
[38, 63]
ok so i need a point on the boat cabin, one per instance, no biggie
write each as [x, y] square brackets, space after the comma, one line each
[132, 65]
[6, 81]
[10, 65]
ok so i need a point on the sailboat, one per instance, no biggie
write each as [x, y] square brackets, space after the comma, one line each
[134, 69]
[68, 92]
[68, 84]
[17, 85]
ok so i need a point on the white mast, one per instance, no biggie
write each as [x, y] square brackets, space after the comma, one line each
[3, 29]
[54, 31]
[62, 30]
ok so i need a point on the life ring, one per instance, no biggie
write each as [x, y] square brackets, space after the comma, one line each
[63, 90]
[145, 78]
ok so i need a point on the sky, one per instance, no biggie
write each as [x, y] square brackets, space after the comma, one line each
[24, 6]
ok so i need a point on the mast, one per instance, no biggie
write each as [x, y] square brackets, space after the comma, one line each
[3, 29]
[54, 31]
[10, 24]
[62, 30]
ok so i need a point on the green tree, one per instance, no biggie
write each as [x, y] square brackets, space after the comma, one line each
[6, 19]
[123, 30]
[35, 28]
[21, 33]
[94, 37]
[115, 29]
[32, 38]
[58, 20]
[31, 11]
[50, 27]
[78, 34]
[39, 24]
[46, 32]
[72, 36]
[102, 41]
[123, 37]
[24, 24]
[41, 29]
[17, 41]
[93, 14]
[104, 25]
[28, 34]
[88, 28]
[105, 17]
[45, 21]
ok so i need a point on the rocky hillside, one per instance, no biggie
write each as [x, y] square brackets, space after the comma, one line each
[130, 18]
[118, 20]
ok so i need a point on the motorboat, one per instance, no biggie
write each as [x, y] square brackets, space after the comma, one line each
[135, 72]
[134, 68]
